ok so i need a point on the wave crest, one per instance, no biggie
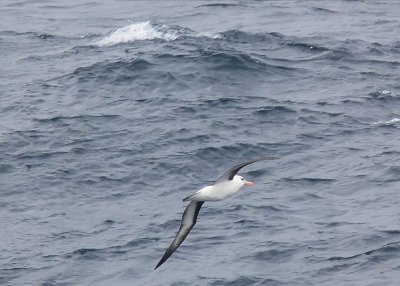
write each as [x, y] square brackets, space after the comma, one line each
[389, 122]
[139, 31]
[149, 31]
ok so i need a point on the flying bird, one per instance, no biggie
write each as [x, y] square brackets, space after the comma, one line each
[227, 185]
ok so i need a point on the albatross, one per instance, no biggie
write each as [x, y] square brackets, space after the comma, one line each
[227, 185]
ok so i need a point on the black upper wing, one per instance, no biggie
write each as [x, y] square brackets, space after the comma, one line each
[228, 175]
[188, 221]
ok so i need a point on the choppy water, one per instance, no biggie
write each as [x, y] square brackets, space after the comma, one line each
[113, 112]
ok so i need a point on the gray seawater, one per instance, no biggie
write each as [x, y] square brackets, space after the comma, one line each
[113, 111]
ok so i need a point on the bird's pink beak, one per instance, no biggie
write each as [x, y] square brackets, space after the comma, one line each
[249, 184]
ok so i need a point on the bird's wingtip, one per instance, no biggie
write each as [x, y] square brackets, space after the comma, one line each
[158, 264]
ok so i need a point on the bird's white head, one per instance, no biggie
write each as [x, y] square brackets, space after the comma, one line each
[240, 180]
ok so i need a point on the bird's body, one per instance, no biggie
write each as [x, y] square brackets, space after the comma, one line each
[227, 185]
[218, 191]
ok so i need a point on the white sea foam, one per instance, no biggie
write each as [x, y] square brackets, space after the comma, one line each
[390, 122]
[209, 35]
[385, 94]
[148, 31]
[139, 31]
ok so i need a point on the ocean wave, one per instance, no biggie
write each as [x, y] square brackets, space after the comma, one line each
[323, 10]
[382, 94]
[392, 231]
[242, 61]
[389, 249]
[220, 102]
[238, 36]
[101, 253]
[228, 60]
[241, 280]
[281, 254]
[222, 58]
[149, 31]
[308, 180]
[125, 71]
[386, 123]
[6, 168]
[110, 71]
[221, 5]
[305, 46]
[137, 32]
[275, 111]
[275, 39]
[35, 35]
[77, 117]
[390, 174]
[245, 150]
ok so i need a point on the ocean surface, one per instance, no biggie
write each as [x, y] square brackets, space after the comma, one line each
[111, 112]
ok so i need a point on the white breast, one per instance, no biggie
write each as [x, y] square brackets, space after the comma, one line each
[217, 192]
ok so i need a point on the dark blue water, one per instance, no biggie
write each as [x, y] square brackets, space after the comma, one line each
[113, 112]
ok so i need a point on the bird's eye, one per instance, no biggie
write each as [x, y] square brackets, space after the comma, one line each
[242, 179]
